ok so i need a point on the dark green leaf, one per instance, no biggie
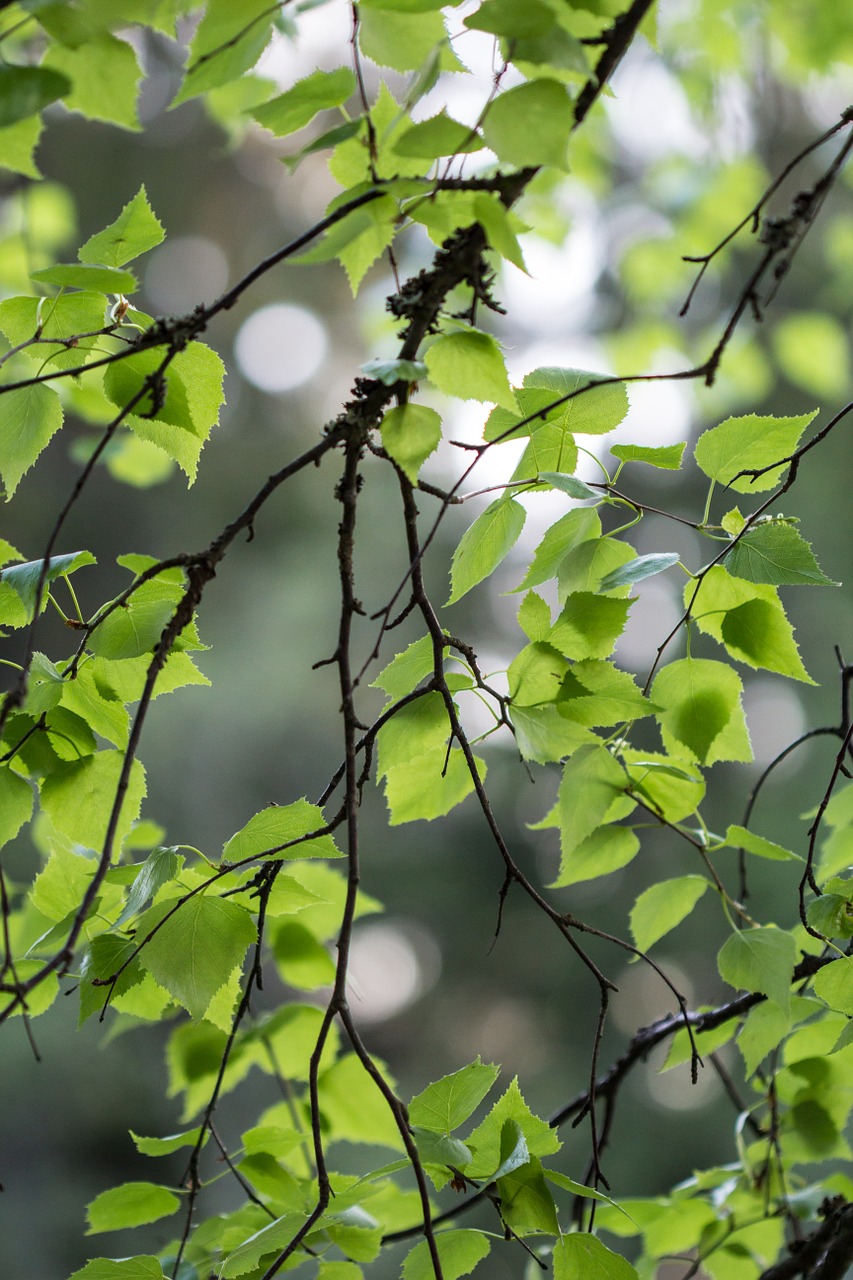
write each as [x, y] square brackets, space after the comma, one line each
[24, 91]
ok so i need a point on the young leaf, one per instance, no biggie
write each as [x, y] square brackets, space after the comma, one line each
[405, 672]
[227, 42]
[589, 625]
[24, 578]
[595, 693]
[569, 484]
[534, 617]
[298, 106]
[403, 41]
[440, 135]
[31, 417]
[78, 798]
[750, 442]
[138, 1268]
[580, 1256]
[72, 275]
[131, 1205]
[741, 838]
[773, 551]
[448, 1102]
[762, 960]
[390, 372]
[63, 318]
[748, 618]
[459, 1252]
[429, 786]
[607, 849]
[834, 985]
[486, 1139]
[592, 780]
[591, 409]
[135, 627]
[264, 835]
[700, 709]
[105, 75]
[16, 804]
[562, 537]
[527, 1203]
[663, 906]
[543, 735]
[638, 569]
[469, 365]
[134, 232]
[161, 866]
[165, 1146]
[666, 456]
[530, 124]
[419, 728]
[410, 433]
[484, 545]
[195, 950]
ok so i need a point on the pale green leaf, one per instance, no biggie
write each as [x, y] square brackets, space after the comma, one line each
[762, 960]
[196, 948]
[773, 551]
[63, 318]
[419, 728]
[563, 536]
[663, 906]
[268, 1241]
[666, 456]
[580, 1256]
[486, 1139]
[390, 372]
[700, 709]
[298, 106]
[133, 1204]
[750, 442]
[18, 143]
[763, 1030]
[592, 780]
[267, 832]
[589, 625]
[534, 617]
[16, 804]
[596, 693]
[748, 618]
[459, 1252]
[738, 837]
[500, 226]
[440, 135]
[571, 485]
[469, 365]
[78, 798]
[581, 403]
[405, 672]
[834, 985]
[165, 1146]
[638, 569]
[448, 1102]
[227, 42]
[84, 275]
[30, 418]
[134, 232]
[429, 786]
[403, 41]
[607, 849]
[530, 124]
[105, 75]
[410, 433]
[484, 545]
[138, 1268]
[543, 735]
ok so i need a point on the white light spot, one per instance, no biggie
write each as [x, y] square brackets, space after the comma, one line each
[392, 964]
[185, 272]
[280, 347]
[775, 718]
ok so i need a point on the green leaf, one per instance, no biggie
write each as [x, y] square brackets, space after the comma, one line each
[440, 135]
[134, 232]
[24, 578]
[748, 618]
[31, 417]
[746, 443]
[264, 834]
[596, 693]
[486, 1139]
[469, 365]
[669, 784]
[63, 318]
[410, 433]
[25, 91]
[403, 41]
[589, 625]
[429, 786]
[418, 729]
[666, 456]
[448, 1102]
[534, 617]
[530, 124]
[569, 484]
[16, 804]
[390, 372]
[741, 838]
[161, 866]
[18, 143]
[138, 1268]
[535, 674]
[72, 275]
[663, 906]
[78, 798]
[358, 239]
[227, 42]
[543, 735]
[591, 409]
[405, 672]
[352, 1106]
[298, 106]
[607, 849]
[459, 1252]
[527, 1203]
[57, 888]
[442, 1150]
[773, 551]
[302, 961]
[503, 18]
[586, 566]
[268, 1241]
[194, 952]
[580, 1256]
[763, 1030]
[639, 568]
[831, 915]
[131, 1205]
[165, 1146]
[580, 525]
[514, 1151]
[762, 960]
[105, 75]
[834, 985]
[500, 226]
[135, 627]
[700, 709]
[484, 545]
[591, 781]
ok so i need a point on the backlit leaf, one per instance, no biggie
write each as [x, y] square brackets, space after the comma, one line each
[748, 618]
[459, 1253]
[469, 365]
[580, 1256]
[134, 232]
[484, 545]
[195, 950]
[773, 551]
[265, 833]
[760, 960]
[592, 780]
[448, 1102]
[663, 906]
[84, 275]
[410, 433]
[429, 786]
[589, 625]
[78, 798]
[607, 849]
[298, 106]
[31, 417]
[133, 1204]
[667, 456]
[752, 441]
[530, 124]
[701, 709]
[638, 569]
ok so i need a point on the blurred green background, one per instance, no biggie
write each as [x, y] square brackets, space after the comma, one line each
[665, 168]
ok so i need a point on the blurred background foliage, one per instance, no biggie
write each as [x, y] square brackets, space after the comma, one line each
[714, 101]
